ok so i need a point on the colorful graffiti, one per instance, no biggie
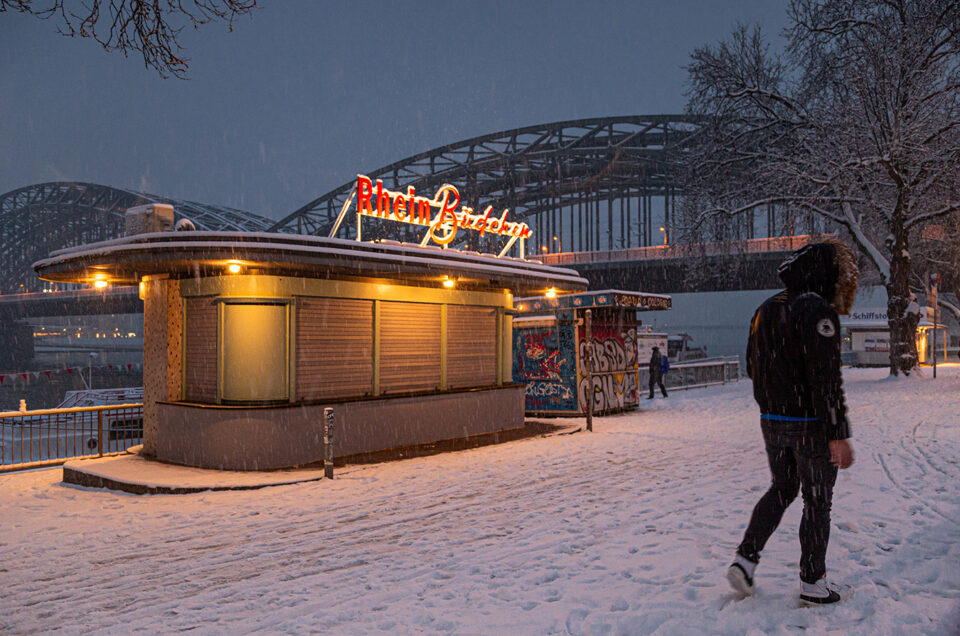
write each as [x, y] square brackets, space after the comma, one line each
[544, 361]
[613, 359]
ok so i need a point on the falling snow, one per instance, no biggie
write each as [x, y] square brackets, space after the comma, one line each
[627, 530]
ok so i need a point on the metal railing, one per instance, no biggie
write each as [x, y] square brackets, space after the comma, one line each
[692, 374]
[30, 439]
[680, 250]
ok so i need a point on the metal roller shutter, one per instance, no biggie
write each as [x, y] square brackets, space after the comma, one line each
[471, 346]
[334, 348]
[409, 347]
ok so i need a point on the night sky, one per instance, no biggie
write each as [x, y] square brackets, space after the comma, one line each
[303, 95]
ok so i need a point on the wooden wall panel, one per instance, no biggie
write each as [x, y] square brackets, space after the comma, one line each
[200, 348]
[471, 346]
[334, 348]
[409, 347]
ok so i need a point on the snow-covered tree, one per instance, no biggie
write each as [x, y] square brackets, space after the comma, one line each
[856, 124]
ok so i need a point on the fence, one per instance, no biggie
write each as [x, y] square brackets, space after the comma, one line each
[696, 373]
[29, 439]
[680, 250]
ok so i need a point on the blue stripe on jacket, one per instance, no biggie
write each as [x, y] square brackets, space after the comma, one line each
[786, 418]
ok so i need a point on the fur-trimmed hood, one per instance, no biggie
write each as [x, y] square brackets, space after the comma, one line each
[828, 268]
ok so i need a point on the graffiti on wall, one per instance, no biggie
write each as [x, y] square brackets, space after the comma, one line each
[544, 361]
[613, 359]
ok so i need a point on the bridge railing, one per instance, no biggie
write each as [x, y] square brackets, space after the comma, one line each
[47, 437]
[677, 250]
[692, 374]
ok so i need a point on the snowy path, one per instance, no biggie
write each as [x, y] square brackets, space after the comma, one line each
[625, 531]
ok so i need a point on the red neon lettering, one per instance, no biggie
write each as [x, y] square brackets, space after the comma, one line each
[483, 222]
[423, 210]
[399, 204]
[364, 194]
[410, 208]
[442, 199]
[448, 237]
[383, 200]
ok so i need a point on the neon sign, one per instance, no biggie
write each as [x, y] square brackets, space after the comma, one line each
[376, 201]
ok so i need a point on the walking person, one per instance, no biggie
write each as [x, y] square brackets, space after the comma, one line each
[793, 358]
[656, 371]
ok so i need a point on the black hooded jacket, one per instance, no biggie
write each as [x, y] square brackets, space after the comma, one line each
[793, 354]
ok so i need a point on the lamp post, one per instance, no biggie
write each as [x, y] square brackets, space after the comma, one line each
[664, 230]
[559, 243]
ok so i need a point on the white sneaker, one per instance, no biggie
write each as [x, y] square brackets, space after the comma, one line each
[824, 592]
[740, 575]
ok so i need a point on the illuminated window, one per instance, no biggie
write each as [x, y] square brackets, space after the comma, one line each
[255, 351]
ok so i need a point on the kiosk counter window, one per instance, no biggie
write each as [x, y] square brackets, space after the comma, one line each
[307, 349]
[255, 352]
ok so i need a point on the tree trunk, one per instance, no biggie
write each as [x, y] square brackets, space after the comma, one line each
[902, 316]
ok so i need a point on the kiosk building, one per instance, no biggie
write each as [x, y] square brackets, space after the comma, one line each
[249, 336]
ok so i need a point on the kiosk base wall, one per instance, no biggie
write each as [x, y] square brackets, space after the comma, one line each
[265, 438]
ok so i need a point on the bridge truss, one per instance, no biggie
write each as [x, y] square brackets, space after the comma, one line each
[583, 185]
[39, 219]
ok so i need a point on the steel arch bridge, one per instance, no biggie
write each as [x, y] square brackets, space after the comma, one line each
[39, 219]
[581, 185]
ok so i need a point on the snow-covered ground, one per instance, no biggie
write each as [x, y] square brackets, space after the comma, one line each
[627, 530]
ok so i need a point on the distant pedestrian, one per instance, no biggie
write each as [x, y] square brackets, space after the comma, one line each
[793, 357]
[656, 371]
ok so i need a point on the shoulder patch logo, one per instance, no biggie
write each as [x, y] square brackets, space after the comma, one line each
[826, 329]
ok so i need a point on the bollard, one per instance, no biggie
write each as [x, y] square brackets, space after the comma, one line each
[328, 443]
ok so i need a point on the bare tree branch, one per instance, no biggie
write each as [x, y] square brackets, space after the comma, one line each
[149, 27]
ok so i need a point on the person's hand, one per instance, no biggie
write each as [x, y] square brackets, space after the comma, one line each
[841, 453]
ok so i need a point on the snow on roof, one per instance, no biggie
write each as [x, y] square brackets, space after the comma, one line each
[611, 298]
[129, 258]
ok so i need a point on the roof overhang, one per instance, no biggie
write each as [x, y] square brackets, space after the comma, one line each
[129, 259]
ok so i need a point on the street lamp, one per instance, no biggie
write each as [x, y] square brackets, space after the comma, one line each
[559, 243]
[664, 230]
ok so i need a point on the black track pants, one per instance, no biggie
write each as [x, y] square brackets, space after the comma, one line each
[655, 381]
[796, 461]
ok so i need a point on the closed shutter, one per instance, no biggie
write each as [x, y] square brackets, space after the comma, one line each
[334, 348]
[409, 347]
[471, 346]
[200, 346]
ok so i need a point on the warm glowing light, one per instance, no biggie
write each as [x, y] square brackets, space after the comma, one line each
[551, 293]
[448, 282]
[233, 268]
[543, 247]
[100, 284]
[377, 201]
